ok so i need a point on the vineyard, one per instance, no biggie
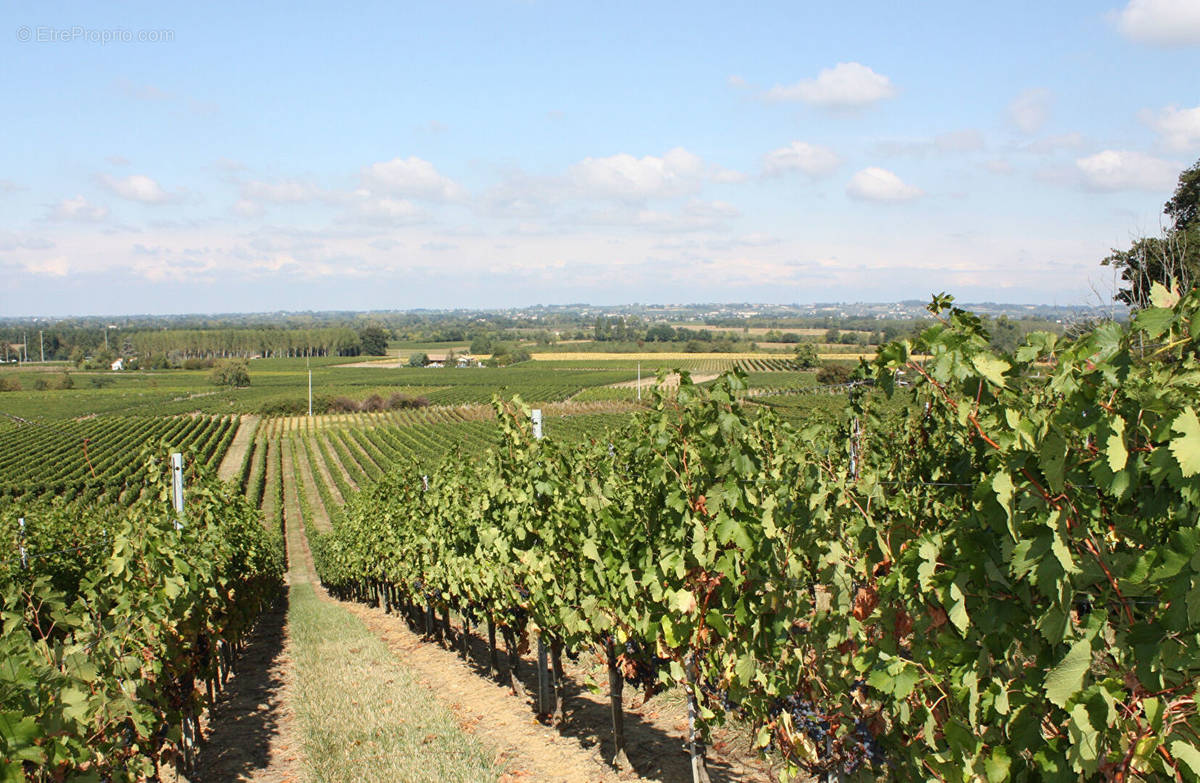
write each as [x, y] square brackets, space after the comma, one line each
[1001, 583]
[120, 627]
[960, 565]
[324, 460]
[101, 458]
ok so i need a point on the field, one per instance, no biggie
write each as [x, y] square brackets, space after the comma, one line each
[684, 546]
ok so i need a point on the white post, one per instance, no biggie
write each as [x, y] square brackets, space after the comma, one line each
[24, 563]
[536, 415]
[309, 390]
[543, 658]
[177, 486]
[42, 343]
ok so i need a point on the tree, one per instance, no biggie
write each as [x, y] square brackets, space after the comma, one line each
[660, 333]
[1184, 206]
[834, 374]
[374, 341]
[234, 374]
[481, 344]
[418, 360]
[1172, 259]
[807, 356]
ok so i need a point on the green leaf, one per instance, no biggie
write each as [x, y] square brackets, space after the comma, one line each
[1186, 447]
[1161, 296]
[997, 766]
[1066, 679]
[1187, 753]
[991, 367]
[958, 609]
[1115, 448]
[685, 601]
[1053, 458]
[745, 669]
[1154, 320]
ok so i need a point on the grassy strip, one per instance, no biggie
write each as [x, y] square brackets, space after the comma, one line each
[327, 499]
[257, 482]
[392, 730]
[248, 459]
[336, 471]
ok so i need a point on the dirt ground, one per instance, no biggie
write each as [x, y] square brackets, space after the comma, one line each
[582, 748]
[251, 733]
[670, 382]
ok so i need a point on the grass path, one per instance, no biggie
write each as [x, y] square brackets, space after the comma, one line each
[360, 713]
[318, 462]
[269, 501]
[232, 462]
[333, 460]
[315, 504]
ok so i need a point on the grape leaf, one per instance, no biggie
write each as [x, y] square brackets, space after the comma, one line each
[1186, 447]
[1115, 448]
[991, 367]
[1066, 679]
[1188, 754]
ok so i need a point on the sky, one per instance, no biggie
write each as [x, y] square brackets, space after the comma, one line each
[214, 157]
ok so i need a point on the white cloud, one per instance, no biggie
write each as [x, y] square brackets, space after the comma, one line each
[247, 208]
[48, 267]
[949, 143]
[1126, 170]
[282, 192]
[137, 187]
[1163, 22]
[725, 176]
[390, 210]
[78, 209]
[626, 177]
[811, 159]
[1030, 110]
[876, 184]
[967, 140]
[10, 242]
[845, 86]
[413, 178]
[141, 92]
[1178, 128]
[711, 209]
[1051, 144]
[998, 166]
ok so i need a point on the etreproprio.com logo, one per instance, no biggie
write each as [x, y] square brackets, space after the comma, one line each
[94, 35]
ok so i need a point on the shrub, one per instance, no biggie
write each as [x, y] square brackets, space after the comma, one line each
[834, 374]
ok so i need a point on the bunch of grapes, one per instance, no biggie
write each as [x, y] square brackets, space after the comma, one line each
[640, 667]
[715, 694]
[847, 753]
[805, 718]
[860, 749]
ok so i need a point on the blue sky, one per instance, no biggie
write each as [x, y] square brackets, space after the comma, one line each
[301, 157]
